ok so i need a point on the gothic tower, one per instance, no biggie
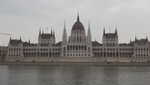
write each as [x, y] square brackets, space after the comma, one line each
[46, 39]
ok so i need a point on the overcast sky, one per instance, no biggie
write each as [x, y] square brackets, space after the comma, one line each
[25, 17]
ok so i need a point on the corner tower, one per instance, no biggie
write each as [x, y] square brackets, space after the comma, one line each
[110, 39]
[64, 36]
[46, 39]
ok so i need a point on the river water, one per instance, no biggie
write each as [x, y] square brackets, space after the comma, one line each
[74, 75]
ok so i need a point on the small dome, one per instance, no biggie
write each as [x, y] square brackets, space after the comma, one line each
[78, 25]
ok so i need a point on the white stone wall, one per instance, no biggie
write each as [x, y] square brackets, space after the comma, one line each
[15, 53]
[141, 53]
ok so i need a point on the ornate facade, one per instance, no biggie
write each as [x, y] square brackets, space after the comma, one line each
[78, 44]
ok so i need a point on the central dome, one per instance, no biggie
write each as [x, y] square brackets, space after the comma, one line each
[77, 33]
[78, 25]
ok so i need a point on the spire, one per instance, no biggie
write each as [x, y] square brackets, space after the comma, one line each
[78, 18]
[135, 38]
[130, 40]
[64, 34]
[103, 31]
[89, 29]
[89, 33]
[64, 24]
[147, 38]
[20, 38]
[116, 32]
[10, 37]
[51, 31]
[54, 33]
[29, 41]
[40, 31]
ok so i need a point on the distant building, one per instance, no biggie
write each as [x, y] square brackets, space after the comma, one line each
[78, 44]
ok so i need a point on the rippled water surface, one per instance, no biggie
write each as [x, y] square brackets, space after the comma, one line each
[74, 75]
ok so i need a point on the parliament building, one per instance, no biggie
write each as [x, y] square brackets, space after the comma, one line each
[77, 46]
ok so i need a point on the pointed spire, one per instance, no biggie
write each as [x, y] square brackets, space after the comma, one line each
[135, 38]
[65, 27]
[89, 24]
[130, 40]
[64, 24]
[89, 33]
[51, 31]
[78, 18]
[103, 31]
[116, 32]
[54, 33]
[147, 38]
[29, 42]
[10, 38]
[20, 38]
[89, 30]
[40, 31]
[64, 37]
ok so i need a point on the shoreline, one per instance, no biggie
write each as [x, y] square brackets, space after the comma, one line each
[74, 63]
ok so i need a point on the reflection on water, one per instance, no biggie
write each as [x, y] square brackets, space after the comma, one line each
[110, 76]
[74, 75]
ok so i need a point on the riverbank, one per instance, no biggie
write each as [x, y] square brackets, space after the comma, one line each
[75, 63]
